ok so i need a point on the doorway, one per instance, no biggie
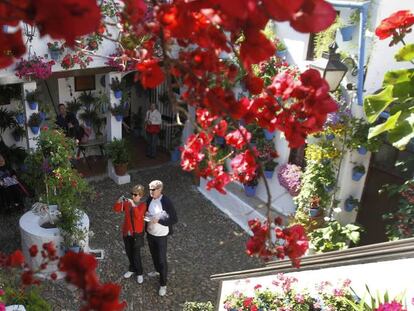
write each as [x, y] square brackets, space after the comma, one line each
[374, 202]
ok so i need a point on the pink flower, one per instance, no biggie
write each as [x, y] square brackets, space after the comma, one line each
[391, 306]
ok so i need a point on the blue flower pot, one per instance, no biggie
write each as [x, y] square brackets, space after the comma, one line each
[281, 54]
[175, 155]
[268, 135]
[326, 161]
[16, 137]
[314, 212]
[88, 123]
[75, 249]
[20, 118]
[269, 174]
[35, 129]
[330, 136]
[54, 55]
[119, 118]
[250, 191]
[349, 206]
[42, 115]
[347, 32]
[362, 150]
[118, 94]
[32, 105]
[328, 188]
[356, 176]
[219, 140]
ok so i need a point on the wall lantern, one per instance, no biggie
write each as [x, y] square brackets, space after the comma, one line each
[29, 31]
[330, 67]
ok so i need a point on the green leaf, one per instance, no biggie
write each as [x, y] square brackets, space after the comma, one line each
[405, 54]
[354, 237]
[401, 135]
[374, 105]
[393, 77]
[388, 125]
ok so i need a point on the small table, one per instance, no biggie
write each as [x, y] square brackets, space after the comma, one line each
[82, 147]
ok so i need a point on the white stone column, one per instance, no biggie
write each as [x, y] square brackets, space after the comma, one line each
[29, 87]
[113, 127]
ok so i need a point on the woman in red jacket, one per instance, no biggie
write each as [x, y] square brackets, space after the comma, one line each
[133, 229]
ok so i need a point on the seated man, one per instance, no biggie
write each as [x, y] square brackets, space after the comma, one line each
[11, 192]
[68, 122]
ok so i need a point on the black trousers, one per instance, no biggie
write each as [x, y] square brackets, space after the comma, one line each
[133, 252]
[158, 249]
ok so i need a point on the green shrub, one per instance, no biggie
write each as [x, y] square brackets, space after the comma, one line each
[198, 306]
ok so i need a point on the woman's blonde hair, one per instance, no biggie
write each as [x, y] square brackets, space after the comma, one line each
[139, 189]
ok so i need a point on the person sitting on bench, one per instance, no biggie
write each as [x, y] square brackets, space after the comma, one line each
[70, 125]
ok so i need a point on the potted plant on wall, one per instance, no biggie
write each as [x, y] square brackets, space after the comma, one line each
[250, 187]
[357, 172]
[347, 30]
[358, 138]
[118, 152]
[116, 87]
[34, 122]
[119, 111]
[55, 50]
[18, 133]
[281, 50]
[32, 98]
[351, 203]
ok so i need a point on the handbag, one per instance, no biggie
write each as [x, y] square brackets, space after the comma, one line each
[153, 128]
[138, 237]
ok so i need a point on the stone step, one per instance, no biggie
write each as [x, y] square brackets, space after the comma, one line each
[239, 207]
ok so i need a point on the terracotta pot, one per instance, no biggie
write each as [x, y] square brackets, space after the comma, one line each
[121, 169]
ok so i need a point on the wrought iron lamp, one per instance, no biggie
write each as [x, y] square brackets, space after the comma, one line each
[331, 67]
[29, 31]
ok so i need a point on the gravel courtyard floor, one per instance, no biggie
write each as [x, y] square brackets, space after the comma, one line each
[204, 242]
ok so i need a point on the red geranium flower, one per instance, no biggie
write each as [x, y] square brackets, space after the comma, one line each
[33, 250]
[16, 259]
[400, 20]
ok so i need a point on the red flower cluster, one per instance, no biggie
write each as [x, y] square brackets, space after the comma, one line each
[65, 19]
[396, 25]
[291, 241]
[80, 271]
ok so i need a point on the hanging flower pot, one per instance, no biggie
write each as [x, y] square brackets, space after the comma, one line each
[35, 129]
[314, 212]
[269, 174]
[362, 150]
[42, 115]
[118, 94]
[175, 154]
[88, 123]
[219, 140]
[330, 136]
[328, 188]
[119, 118]
[347, 32]
[54, 55]
[250, 191]
[281, 54]
[351, 204]
[20, 118]
[357, 172]
[32, 105]
[268, 135]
